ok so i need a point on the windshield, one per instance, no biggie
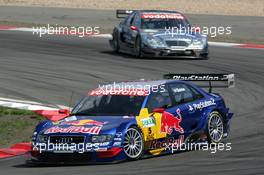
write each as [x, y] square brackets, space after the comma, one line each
[109, 105]
[153, 23]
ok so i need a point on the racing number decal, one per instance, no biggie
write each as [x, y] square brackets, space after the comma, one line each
[150, 125]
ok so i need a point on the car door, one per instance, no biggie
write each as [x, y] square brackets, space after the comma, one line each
[125, 34]
[158, 100]
[136, 23]
[184, 96]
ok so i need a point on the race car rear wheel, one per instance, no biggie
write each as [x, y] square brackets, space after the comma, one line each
[133, 143]
[215, 127]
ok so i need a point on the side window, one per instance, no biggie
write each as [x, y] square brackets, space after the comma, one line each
[124, 22]
[130, 20]
[136, 21]
[197, 95]
[183, 93]
[159, 99]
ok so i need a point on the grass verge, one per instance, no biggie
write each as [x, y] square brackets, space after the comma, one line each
[16, 125]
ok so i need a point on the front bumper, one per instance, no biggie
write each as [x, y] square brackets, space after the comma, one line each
[190, 52]
[112, 155]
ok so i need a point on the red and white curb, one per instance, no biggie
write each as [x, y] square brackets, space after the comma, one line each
[48, 111]
[27, 105]
[15, 150]
[36, 31]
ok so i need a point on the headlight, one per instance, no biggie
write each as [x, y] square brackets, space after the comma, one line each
[197, 42]
[101, 138]
[155, 41]
[42, 138]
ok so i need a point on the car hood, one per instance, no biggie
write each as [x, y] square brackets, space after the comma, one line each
[164, 34]
[86, 124]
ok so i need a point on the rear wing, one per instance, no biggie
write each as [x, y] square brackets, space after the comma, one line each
[123, 13]
[206, 80]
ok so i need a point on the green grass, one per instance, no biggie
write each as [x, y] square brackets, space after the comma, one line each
[16, 125]
[12, 111]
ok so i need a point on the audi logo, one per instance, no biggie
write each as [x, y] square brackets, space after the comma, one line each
[64, 140]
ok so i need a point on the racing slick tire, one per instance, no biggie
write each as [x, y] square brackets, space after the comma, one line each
[138, 48]
[215, 127]
[133, 143]
[204, 57]
[116, 46]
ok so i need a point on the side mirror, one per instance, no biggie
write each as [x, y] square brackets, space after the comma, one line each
[197, 29]
[158, 110]
[64, 111]
[133, 28]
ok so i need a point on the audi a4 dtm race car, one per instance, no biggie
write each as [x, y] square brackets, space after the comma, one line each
[136, 119]
[157, 33]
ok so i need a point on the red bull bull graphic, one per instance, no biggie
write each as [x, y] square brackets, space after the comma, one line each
[170, 122]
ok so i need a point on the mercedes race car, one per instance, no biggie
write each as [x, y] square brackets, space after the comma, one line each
[158, 33]
[131, 120]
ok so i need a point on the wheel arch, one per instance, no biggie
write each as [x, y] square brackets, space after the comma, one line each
[203, 121]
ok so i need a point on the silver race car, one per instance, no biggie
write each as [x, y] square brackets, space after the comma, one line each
[158, 33]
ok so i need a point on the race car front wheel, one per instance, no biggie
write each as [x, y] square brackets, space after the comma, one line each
[204, 56]
[133, 143]
[138, 49]
[116, 46]
[215, 127]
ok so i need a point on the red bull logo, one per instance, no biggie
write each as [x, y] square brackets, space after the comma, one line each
[74, 129]
[170, 122]
[167, 143]
[83, 122]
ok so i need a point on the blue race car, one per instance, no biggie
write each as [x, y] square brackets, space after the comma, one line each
[158, 33]
[131, 120]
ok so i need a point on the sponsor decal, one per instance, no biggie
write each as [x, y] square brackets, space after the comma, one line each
[177, 90]
[200, 77]
[83, 122]
[117, 139]
[128, 116]
[190, 108]
[117, 144]
[74, 129]
[161, 16]
[97, 144]
[71, 118]
[119, 134]
[125, 92]
[166, 143]
[100, 149]
[150, 136]
[202, 104]
[170, 122]
[148, 122]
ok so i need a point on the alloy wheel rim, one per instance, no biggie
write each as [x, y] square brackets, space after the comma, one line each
[216, 128]
[133, 143]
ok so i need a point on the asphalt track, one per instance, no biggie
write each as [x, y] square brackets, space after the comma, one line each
[49, 69]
